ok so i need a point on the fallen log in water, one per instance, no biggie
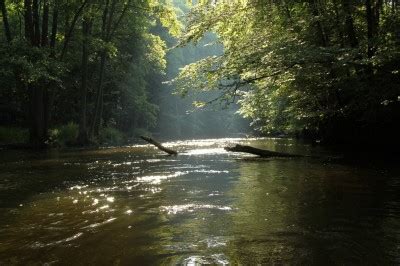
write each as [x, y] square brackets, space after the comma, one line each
[159, 145]
[259, 152]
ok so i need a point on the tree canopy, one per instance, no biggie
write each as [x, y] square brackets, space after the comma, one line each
[87, 61]
[321, 69]
[325, 69]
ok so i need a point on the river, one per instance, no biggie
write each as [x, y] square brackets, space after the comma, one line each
[136, 206]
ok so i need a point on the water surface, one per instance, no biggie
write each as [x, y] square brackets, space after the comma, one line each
[136, 206]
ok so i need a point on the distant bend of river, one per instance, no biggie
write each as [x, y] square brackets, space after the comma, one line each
[136, 206]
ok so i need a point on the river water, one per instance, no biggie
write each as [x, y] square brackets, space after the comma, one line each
[136, 206]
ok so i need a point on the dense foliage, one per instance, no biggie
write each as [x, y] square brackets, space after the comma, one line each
[84, 61]
[94, 70]
[322, 69]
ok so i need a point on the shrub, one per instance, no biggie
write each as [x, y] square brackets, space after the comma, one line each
[65, 135]
[139, 132]
[11, 135]
[111, 136]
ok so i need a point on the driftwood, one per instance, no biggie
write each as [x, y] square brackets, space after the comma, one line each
[159, 145]
[259, 152]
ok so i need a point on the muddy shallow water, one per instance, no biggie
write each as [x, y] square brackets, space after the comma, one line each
[136, 206]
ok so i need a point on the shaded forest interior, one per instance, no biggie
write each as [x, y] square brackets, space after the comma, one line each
[105, 71]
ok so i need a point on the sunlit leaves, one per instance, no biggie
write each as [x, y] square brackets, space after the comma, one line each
[169, 20]
[296, 56]
[155, 53]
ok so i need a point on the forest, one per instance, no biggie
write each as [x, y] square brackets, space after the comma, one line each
[199, 132]
[89, 71]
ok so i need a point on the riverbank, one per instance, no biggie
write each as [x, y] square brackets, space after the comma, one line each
[344, 154]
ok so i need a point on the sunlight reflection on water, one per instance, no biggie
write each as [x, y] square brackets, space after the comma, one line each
[110, 220]
[175, 209]
[69, 239]
[211, 151]
[215, 259]
[135, 205]
[157, 179]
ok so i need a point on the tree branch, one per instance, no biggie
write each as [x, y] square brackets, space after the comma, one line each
[72, 27]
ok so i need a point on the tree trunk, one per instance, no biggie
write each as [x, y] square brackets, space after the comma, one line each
[349, 24]
[322, 38]
[5, 20]
[38, 128]
[45, 24]
[338, 22]
[372, 17]
[71, 28]
[36, 23]
[370, 26]
[83, 134]
[44, 43]
[51, 90]
[107, 32]
[29, 32]
[94, 129]
[54, 28]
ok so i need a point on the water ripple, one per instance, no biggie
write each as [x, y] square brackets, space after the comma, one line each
[175, 209]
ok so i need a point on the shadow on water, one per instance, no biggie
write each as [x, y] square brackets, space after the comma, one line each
[315, 214]
[133, 205]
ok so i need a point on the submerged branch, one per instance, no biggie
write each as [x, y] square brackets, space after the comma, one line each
[259, 152]
[159, 145]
